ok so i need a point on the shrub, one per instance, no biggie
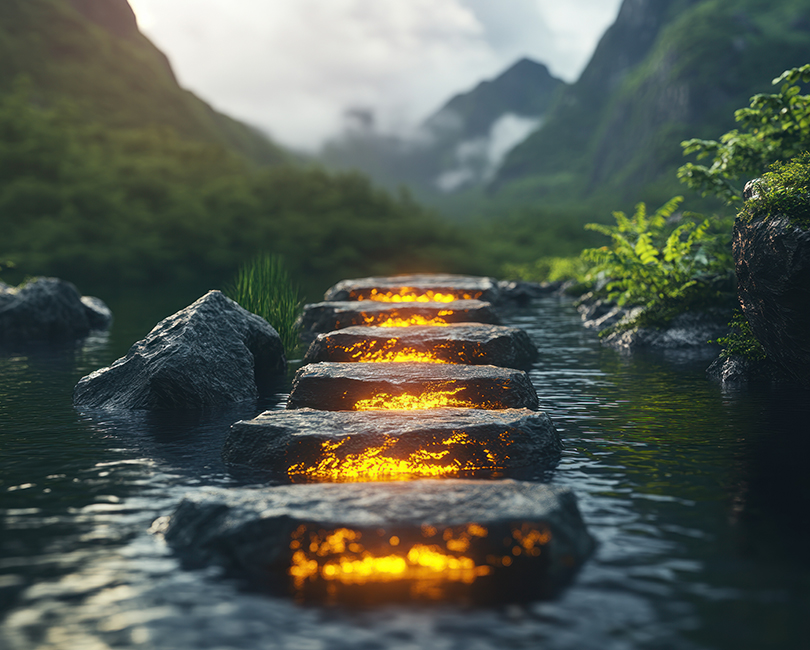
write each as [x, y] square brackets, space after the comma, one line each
[665, 262]
[783, 190]
[740, 341]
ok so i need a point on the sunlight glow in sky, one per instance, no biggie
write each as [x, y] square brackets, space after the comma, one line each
[293, 67]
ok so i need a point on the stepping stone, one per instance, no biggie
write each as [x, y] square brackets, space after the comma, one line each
[463, 343]
[341, 446]
[416, 288]
[405, 386]
[472, 541]
[329, 316]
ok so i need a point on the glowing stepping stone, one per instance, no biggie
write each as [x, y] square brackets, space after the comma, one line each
[458, 343]
[405, 386]
[416, 288]
[329, 316]
[349, 446]
[472, 541]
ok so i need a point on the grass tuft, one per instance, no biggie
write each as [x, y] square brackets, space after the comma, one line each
[263, 286]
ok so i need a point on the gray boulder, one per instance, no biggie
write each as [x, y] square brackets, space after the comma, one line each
[48, 309]
[735, 370]
[467, 343]
[342, 386]
[772, 257]
[212, 353]
[98, 314]
[488, 541]
[690, 331]
[308, 445]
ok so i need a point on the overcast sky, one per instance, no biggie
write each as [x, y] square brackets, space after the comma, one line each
[293, 67]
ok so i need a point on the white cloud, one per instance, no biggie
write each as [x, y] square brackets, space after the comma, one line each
[292, 67]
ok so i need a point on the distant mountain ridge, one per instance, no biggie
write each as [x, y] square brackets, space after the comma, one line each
[526, 88]
[665, 71]
[91, 53]
[461, 143]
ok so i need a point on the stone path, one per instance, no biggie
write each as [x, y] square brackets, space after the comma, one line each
[399, 404]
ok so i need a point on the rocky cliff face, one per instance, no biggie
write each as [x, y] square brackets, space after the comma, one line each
[772, 257]
[116, 16]
[665, 71]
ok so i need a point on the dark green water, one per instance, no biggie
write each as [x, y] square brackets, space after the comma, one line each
[699, 498]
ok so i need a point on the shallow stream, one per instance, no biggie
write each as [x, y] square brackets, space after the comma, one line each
[699, 498]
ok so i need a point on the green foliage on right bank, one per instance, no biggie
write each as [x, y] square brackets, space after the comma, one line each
[671, 261]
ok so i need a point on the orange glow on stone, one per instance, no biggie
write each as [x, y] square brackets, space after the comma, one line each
[396, 321]
[365, 352]
[410, 294]
[328, 558]
[377, 464]
[427, 400]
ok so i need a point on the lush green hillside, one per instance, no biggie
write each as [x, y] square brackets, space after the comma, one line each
[90, 53]
[667, 70]
[113, 177]
[110, 209]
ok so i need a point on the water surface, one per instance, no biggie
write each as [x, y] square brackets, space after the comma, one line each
[699, 499]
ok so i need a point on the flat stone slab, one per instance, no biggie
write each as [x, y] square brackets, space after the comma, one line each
[329, 316]
[384, 386]
[345, 446]
[465, 343]
[422, 288]
[478, 541]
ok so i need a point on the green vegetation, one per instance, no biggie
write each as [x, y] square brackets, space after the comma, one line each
[670, 262]
[114, 208]
[547, 269]
[614, 134]
[91, 54]
[783, 190]
[740, 340]
[263, 286]
[666, 263]
[774, 128]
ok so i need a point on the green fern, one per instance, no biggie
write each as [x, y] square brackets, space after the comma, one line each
[662, 267]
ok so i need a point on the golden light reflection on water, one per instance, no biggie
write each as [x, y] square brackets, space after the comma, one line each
[435, 460]
[430, 399]
[411, 294]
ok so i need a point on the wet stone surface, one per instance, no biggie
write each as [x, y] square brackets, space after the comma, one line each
[476, 541]
[329, 316]
[213, 353]
[308, 445]
[475, 344]
[400, 288]
[386, 386]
